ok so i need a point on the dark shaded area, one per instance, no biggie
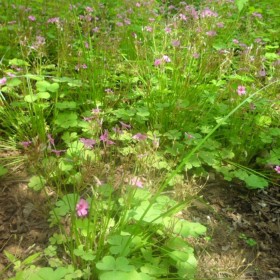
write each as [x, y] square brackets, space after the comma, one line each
[241, 223]
[24, 229]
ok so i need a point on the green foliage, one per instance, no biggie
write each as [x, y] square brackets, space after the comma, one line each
[117, 107]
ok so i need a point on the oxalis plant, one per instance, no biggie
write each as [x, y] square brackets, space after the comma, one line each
[124, 233]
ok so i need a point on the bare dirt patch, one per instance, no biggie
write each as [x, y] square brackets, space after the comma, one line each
[24, 229]
[236, 219]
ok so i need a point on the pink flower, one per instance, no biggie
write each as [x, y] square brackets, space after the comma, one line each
[135, 181]
[125, 126]
[262, 73]
[258, 15]
[148, 28]
[82, 208]
[51, 140]
[167, 30]
[88, 143]
[3, 81]
[166, 58]
[211, 33]
[277, 169]
[89, 9]
[53, 20]
[220, 24]
[105, 138]
[196, 55]
[157, 62]
[182, 17]
[241, 90]
[32, 18]
[25, 144]
[175, 43]
[235, 41]
[208, 13]
[139, 136]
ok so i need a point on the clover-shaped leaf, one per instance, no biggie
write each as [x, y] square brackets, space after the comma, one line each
[186, 229]
[119, 245]
[110, 263]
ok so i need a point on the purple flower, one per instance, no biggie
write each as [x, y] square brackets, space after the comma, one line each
[196, 55]
[82, 208]
[105, 138]
[25, 144]
[182, 17]
[127, 21]
[277, 169]
[220, 25]
[167, 30]
[96, 111]
[208, 13]
[3, 81]
[175, 43]
[157, 62]
[125, 126]
[211, 33]
[258, 15]
[262, 73]
[139, 136]
[95, 29]
[135, 181]
[88, 119]
[166, 58]
[53, 20]
[32, 18]
[119, 23]
[89, 9]
[258, 40]
[51, 140]
[148, 28]
[235, 41]
[241, 90]
[189, 136]
[88, 143]
[108, 90]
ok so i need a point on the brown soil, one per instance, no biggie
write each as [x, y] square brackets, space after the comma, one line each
[24, 229]
[232, 214]
[227, 211]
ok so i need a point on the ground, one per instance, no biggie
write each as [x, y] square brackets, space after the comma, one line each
[233, 215]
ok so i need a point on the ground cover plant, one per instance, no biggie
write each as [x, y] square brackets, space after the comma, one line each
[114, 107]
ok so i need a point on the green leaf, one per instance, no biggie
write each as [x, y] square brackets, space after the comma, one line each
[3, 170]
[43, 95]
[187, 229]
[119, 245]
[264, 121]
[36, 183]
[14, 82]
[66, 105]
[30, 98]
[256, 182]
[66, 120]
[31, 259]
[18, 62]
[119, 264]
[240, 4]
[119, 275]
[85, 255]
[46, 86]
